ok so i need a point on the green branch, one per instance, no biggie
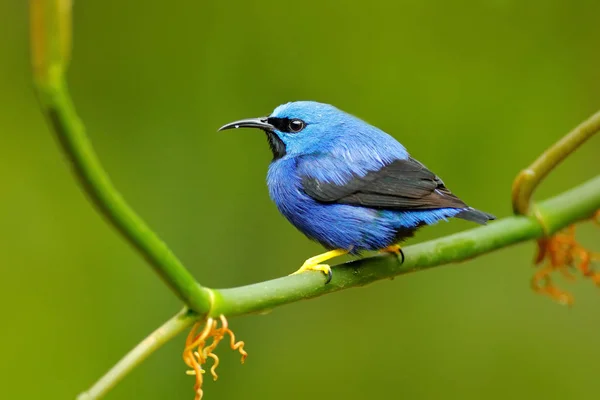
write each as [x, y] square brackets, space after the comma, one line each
[174, 326]
[50, 44]
[556, 213]
[530, 178]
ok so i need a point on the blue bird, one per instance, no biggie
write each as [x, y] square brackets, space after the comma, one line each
[347, 184]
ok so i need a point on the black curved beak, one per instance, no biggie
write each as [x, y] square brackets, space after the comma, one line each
[260, 123]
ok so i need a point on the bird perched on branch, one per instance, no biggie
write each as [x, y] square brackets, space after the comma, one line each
[347, 184]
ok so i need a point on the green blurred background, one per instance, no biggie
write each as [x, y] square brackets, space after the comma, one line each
[475, 90]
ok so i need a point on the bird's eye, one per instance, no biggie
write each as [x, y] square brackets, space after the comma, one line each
[296, 125]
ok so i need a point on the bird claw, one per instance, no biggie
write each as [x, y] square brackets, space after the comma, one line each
[397, 250]
[324, 268]
[314, 263]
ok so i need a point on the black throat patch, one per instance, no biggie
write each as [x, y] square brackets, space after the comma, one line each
[276, 144]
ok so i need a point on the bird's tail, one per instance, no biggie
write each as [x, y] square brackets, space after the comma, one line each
[473, 215]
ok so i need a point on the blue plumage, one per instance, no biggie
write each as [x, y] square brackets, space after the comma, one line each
[347, 184]
[339, 226]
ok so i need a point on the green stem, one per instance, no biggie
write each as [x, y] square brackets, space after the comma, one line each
[183, 320]
[50, 45]
[50, 38]
[556, 213]
[529, 179]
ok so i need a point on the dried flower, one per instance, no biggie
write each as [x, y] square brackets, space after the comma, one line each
[563, 253]
[198, 350]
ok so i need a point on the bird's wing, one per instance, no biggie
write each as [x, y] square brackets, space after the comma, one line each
[400, 185]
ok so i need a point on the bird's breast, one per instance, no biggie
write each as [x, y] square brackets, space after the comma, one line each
[335, 226]
[285, 189]
[312, 218]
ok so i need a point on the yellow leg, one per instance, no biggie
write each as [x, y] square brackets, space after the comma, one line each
[395, 248]
[314, 263]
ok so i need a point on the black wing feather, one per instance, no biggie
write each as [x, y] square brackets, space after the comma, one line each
[400, 185]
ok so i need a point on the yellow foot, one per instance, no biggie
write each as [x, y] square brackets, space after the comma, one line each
[314, 263]
[396, 250]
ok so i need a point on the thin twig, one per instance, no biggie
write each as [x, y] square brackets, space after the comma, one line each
[154, 341]
[529, 179]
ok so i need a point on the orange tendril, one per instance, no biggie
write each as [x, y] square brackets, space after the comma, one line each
[564, 254]
[198, 349]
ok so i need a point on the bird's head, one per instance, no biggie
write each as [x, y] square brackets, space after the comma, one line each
[301, 127]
